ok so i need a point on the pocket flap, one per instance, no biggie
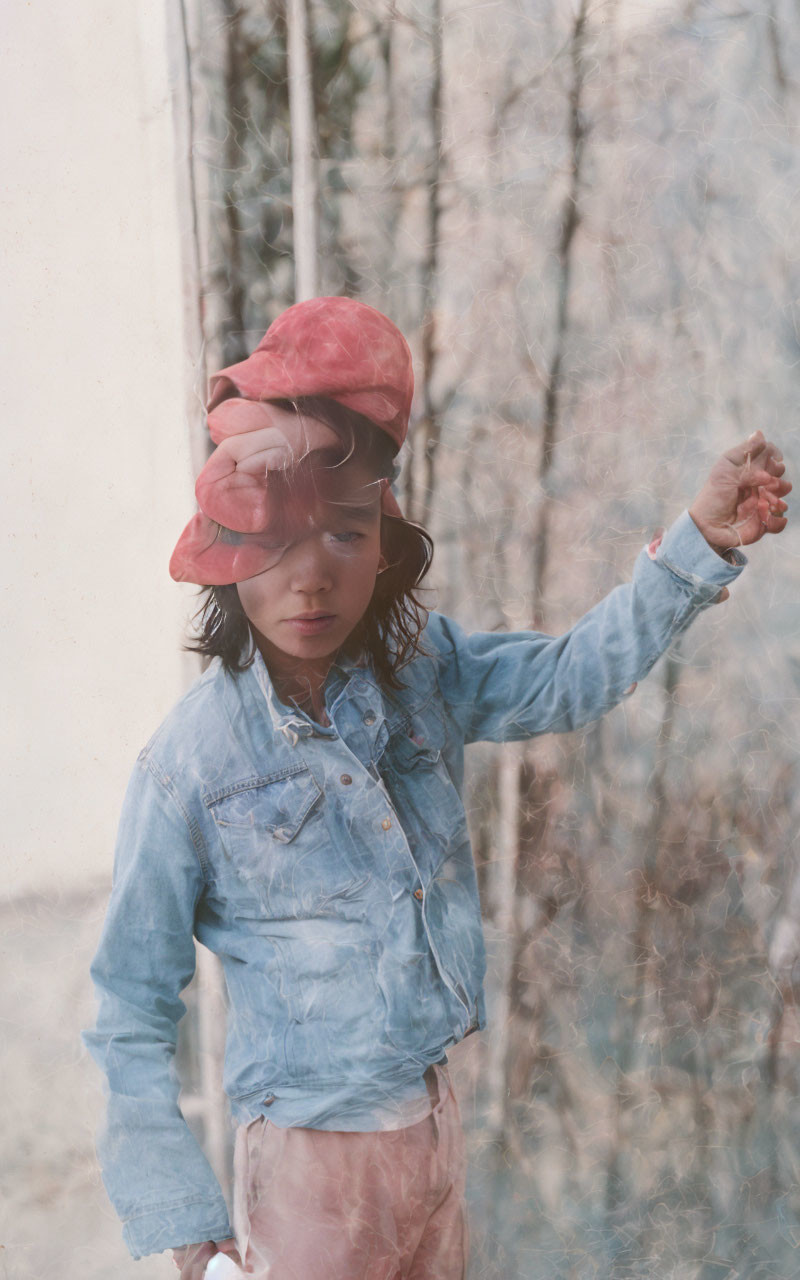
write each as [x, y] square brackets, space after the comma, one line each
[418, 742]
[278, 805]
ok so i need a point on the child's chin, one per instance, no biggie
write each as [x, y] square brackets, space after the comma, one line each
[321, 646]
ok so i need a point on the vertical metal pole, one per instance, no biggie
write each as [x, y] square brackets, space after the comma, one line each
[209, 1010]
[180, 54]
[304, 160]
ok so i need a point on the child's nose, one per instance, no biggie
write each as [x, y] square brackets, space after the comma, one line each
[311, 569]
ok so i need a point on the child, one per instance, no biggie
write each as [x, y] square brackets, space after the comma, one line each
[299, 812]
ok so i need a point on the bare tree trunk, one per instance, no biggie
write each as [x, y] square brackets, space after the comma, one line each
[387, 47]
[774, 39]
[232, 290]
[504, 887]
[631, 1008]
[430, 428]
[513, 757]
[569, 225]
[304, 152]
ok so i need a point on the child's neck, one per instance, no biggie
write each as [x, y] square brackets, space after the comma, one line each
[310, 699]
[298, 682]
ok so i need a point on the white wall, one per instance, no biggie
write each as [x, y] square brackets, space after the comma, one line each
[96, 482]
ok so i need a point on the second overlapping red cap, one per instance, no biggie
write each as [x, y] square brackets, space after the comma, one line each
[334, 347]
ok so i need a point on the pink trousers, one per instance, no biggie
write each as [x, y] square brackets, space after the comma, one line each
[314, 1204]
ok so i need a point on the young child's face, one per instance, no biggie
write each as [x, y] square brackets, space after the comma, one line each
[323, 568]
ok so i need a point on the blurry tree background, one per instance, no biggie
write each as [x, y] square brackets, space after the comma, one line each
[584, 217]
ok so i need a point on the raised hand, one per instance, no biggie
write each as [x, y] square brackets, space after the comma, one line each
[743, 497]
[252, 440]
[283, 436]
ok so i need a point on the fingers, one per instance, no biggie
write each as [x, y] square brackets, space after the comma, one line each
[257, 451]
[739, 454]
[229, 1247]
[290, 435]
[757, 456]
[192, 1261]
[763, 468]
[771, 513]
[238, 417]
[772, 503]
[231, 495]
[767, 503]
[776, 488]
[231, 488]
[773, 519]
[763, 512]
[313, 435]
[272, 448]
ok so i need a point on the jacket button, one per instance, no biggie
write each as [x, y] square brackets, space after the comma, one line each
[387, 822]
[418, 894]
[268, 1101]
[369, 717]
[345, 779]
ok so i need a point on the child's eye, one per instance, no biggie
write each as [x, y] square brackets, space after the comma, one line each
[266, 544]
[350, 536]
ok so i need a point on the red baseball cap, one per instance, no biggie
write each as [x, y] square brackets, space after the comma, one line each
[335, 347]
[339, 348]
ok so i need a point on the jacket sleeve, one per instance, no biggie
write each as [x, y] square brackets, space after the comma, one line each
[156, 1176]
[503, 687]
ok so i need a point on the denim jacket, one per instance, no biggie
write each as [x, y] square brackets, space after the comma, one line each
[330, 868]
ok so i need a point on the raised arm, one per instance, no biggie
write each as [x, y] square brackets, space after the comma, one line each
[507, 686]
[156, 1176]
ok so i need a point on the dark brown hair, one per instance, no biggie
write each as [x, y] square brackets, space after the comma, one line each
[390, 630]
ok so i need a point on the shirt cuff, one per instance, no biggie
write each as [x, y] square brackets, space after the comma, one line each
[174, 1227]
[684, 551]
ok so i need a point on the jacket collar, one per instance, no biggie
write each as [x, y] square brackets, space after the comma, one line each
[291, 721]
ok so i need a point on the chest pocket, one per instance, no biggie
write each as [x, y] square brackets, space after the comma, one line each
[421, 782]
[417, 743]
[275, 841]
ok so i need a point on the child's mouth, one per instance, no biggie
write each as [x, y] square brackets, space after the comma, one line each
[310, 626]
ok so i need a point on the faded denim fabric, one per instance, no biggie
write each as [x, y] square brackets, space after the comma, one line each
[331, 870]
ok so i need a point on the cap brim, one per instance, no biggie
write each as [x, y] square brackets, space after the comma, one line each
[203, 554]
